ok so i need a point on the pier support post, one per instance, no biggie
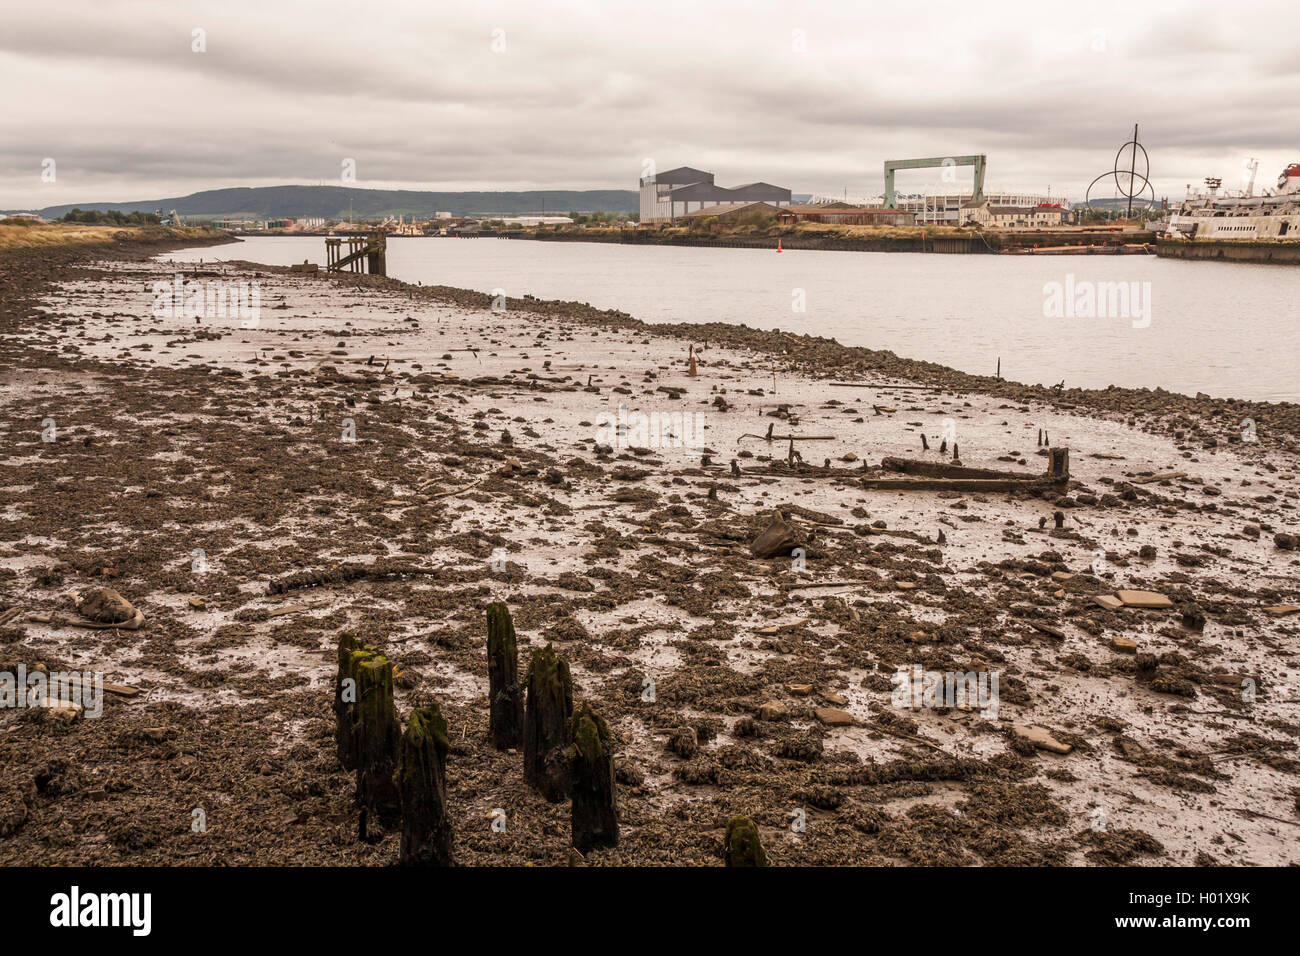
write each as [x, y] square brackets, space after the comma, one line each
[505, 697]
[421, 776]
[595, 816]
[546, 724]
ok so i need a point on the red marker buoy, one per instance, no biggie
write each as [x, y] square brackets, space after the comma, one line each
[778, 245]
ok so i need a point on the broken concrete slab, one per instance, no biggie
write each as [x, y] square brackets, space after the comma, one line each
[834, 717]
[1143, 599]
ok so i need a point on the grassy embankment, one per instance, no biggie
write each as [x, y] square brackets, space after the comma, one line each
[24, 234]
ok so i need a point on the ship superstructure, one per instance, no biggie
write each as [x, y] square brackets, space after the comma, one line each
[1216, 214]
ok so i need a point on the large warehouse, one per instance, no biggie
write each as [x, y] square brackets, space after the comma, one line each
[675, 192]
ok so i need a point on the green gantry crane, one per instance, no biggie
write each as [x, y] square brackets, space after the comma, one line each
[929, 163]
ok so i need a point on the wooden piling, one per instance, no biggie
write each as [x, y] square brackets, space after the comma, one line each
[422, 786]
[595, 816]
[505, 697]
[378, 738]
[546, 724]
[742, 845]
[345, 706]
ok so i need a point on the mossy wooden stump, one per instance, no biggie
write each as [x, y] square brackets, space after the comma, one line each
[743, 847]
[422, 783]
[345, 701]
[506, 699]
[378, 738]
[595, 816]
[546, 724]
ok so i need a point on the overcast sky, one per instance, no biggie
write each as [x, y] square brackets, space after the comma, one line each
[551, 94]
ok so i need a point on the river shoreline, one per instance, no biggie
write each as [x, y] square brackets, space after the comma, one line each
[634, 563]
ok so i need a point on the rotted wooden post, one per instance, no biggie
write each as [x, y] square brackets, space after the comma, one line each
[743, 847]
[546, 724]
[378, 738]
[1058, 468]
[422, 785]
[345, 703]
[595, 815]
[505, 697]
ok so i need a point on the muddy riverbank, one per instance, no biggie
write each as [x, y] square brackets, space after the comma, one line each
[463, 455]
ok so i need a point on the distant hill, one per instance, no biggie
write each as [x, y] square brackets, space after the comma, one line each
[331, 202]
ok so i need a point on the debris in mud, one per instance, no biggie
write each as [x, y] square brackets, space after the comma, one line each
[106, 608]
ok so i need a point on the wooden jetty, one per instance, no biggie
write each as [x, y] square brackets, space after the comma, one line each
[365, 254]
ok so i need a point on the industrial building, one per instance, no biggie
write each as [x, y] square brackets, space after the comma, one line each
[1038, 215]
[676, 192]
[730, 212]
[846, 214]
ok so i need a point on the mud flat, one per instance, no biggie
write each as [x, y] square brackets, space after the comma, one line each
[387, 460]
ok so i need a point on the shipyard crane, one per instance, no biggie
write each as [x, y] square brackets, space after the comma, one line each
[1252, 167]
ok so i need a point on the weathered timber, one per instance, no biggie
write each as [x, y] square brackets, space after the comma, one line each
[546, 724]
[378, 738]
[345, 702]
[742, 846]
[595, 814]
[505, 697]
[422, 785]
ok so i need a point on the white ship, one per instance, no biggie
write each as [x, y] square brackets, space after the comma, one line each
[1218, 215]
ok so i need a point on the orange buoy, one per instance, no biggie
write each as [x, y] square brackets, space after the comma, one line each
[778, 245]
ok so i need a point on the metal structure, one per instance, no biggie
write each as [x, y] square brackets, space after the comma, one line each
[979, 162]
[1132, 190]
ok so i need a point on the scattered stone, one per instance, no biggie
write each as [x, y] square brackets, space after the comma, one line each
[1041, 738]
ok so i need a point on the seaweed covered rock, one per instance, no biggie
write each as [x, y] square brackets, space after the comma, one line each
[422, 785]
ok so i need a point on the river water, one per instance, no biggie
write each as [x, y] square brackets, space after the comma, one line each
[1227, 329]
